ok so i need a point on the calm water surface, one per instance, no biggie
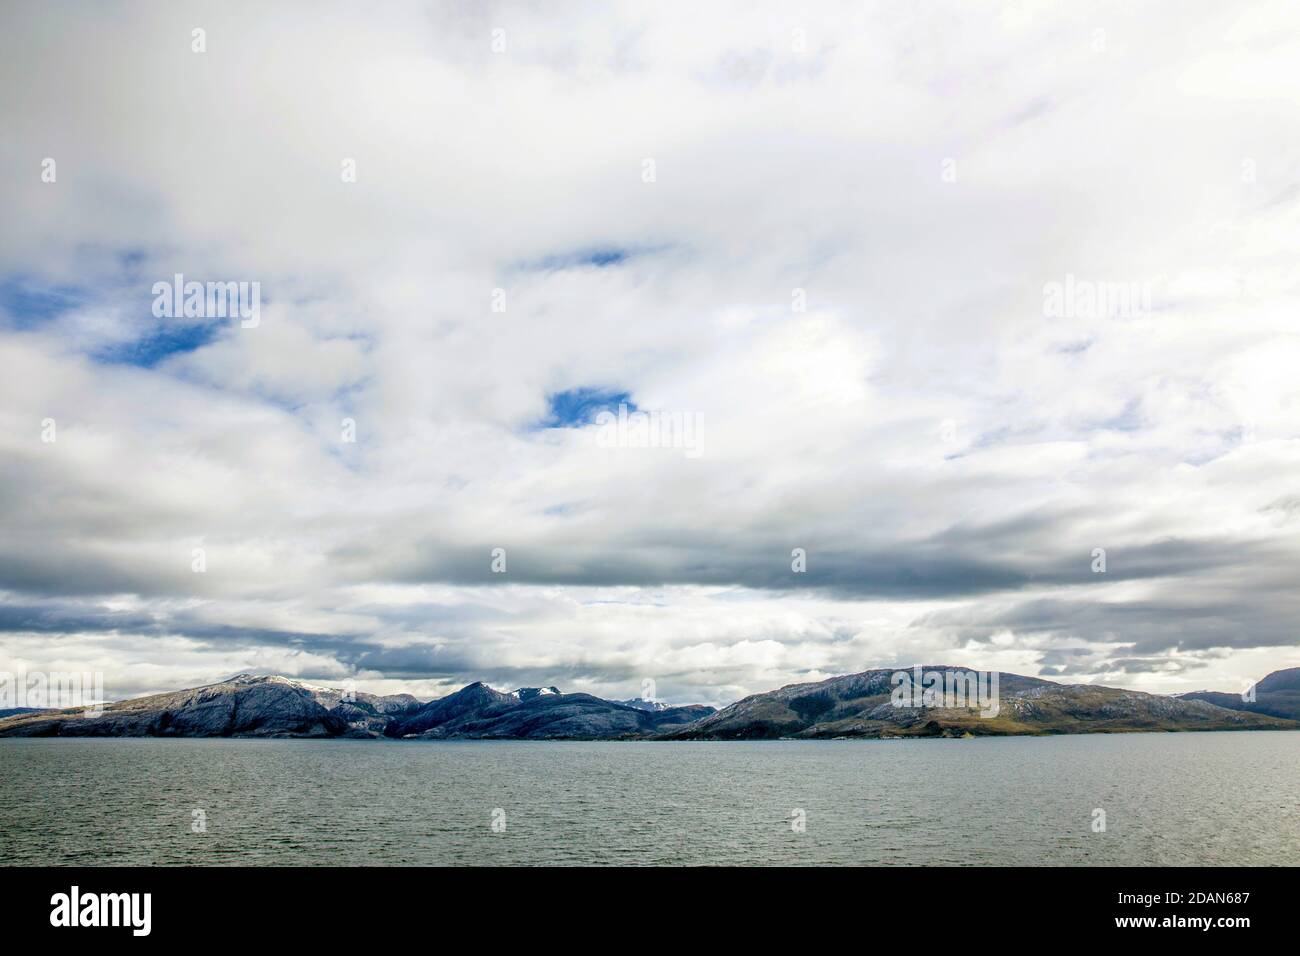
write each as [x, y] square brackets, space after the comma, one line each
[1227, 798]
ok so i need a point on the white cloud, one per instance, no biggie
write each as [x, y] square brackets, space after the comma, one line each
[946, 452]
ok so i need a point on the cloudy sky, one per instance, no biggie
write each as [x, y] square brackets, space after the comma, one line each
[876, 256]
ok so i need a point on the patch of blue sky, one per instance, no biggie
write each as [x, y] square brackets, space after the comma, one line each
[600, 257]
[588, 257]
[577, 407]
[28, 303]
[161, 343]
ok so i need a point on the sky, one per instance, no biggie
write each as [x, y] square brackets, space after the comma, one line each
[724, 346]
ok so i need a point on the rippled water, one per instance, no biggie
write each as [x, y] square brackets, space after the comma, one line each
[1228, 798]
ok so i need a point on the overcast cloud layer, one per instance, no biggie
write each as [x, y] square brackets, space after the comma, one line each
[841, 271]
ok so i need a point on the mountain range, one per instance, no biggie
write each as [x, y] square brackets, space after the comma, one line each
[1278, 695]
[249, 705]
[857, 705]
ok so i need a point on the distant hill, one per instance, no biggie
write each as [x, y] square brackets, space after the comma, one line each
[1277, 695]
[243, 706]
[641, 703]
[860, 705]
[857, 705]
[479, 712]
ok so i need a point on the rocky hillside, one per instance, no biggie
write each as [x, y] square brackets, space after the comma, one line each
[472, 699]
[860, 705]
[642, 704]
[479, 712]
[243, 706]
[1277, 695]
[367, 715]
